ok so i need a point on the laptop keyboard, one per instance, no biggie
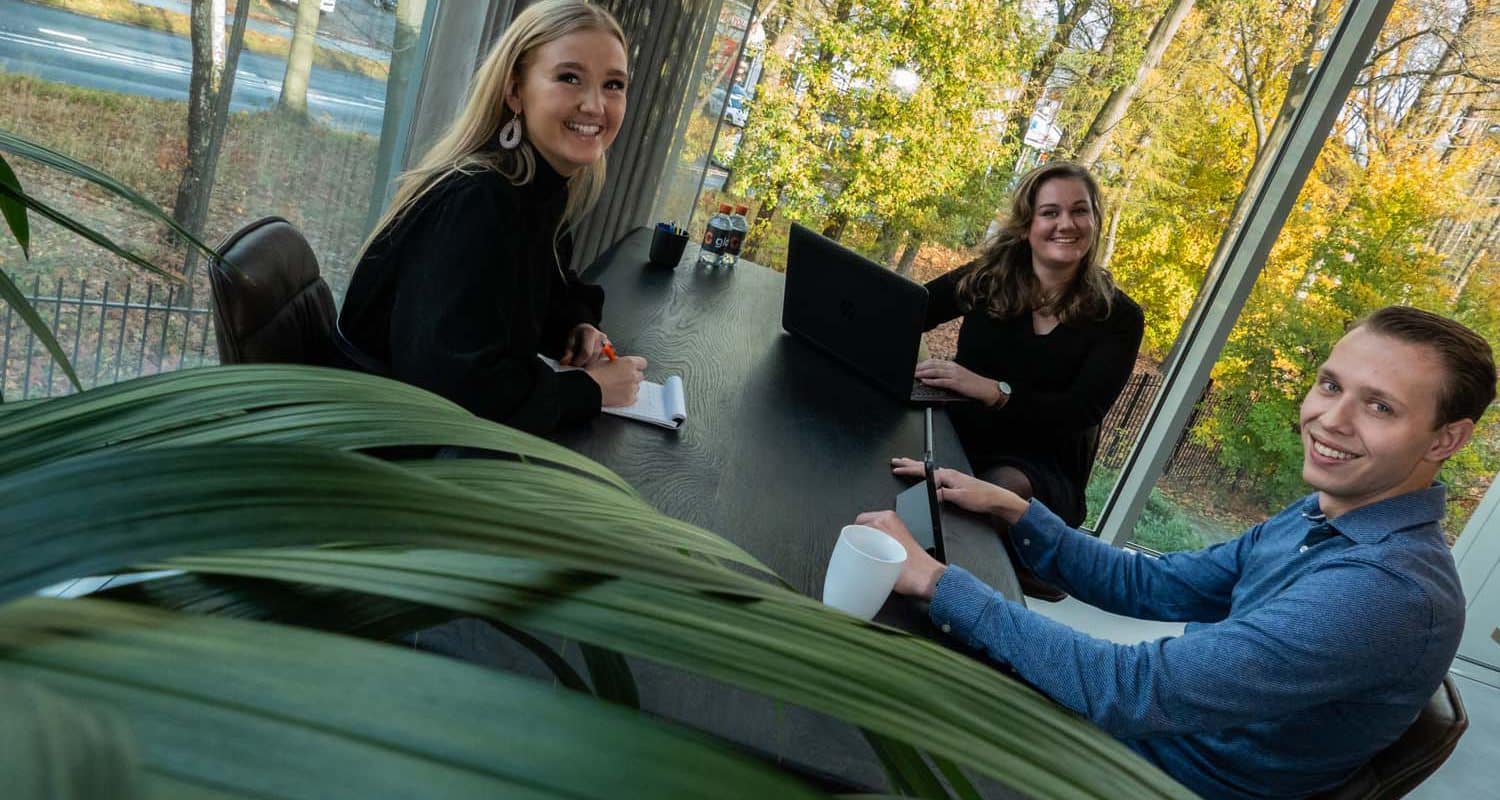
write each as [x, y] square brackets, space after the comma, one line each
[922, 393]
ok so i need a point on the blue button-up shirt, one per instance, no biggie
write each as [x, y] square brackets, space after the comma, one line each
[1311, 644]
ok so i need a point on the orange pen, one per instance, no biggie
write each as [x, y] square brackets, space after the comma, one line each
[609, 351]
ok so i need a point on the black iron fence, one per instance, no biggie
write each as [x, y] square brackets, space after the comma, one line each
[109, 332]
[1191, 462]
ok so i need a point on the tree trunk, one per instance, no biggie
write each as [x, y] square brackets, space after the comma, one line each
[1415, 121]
[299, 60]
[835, 227]
[220, 122]
[1041, 72]
[909, 253]
[400, 86]
[203, 87]
[1119, 100]
[1317, 26]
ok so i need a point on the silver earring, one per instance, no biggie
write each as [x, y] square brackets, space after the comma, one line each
[510, 133]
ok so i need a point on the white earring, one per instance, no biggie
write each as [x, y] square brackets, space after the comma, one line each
[510, 133]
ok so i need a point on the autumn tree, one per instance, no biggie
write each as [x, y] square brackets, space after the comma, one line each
[887, 118]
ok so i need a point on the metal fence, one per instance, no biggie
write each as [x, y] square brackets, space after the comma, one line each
[109, 332]
[1191, 462]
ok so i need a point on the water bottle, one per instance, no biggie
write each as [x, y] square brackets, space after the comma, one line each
[715, 237]
[738, 227]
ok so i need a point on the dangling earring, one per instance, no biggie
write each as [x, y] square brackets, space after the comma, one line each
[510, 133]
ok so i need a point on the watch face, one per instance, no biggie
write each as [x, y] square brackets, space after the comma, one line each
[1004, 388]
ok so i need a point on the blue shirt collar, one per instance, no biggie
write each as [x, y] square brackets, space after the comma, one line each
[1372, 523]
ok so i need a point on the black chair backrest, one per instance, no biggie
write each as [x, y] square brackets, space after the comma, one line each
[1398, 769]
[270, 303]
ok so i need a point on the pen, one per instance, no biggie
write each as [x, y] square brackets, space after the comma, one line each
[609, 351]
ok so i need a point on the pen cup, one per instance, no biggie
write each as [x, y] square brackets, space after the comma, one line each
[667, 247]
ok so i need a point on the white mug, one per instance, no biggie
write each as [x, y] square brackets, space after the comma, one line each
[862, 570]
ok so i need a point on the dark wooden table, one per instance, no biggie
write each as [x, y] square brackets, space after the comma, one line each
[782, 447]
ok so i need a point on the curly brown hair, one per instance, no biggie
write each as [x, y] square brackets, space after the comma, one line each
[1002, 281]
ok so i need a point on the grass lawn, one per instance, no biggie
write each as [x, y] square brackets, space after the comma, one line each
[271, 164]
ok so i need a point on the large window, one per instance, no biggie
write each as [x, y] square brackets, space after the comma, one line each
[110, 84]
[1395, 210]
[899, 130]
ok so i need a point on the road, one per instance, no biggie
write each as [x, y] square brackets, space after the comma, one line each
[81, 51]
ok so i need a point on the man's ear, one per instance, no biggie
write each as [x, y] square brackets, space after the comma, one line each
[1450, 439]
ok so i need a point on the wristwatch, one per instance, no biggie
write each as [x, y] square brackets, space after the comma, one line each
[1004, 393]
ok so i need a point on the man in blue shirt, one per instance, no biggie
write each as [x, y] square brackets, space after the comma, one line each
[1314, 639]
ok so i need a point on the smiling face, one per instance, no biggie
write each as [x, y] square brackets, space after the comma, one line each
[571, 98]
[1062, 225]
[1369, 423]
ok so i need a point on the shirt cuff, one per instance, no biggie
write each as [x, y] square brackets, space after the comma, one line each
[1036, 533]
[958, 603]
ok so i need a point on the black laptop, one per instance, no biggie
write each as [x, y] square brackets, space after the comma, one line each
[858, 312]
[918, 505]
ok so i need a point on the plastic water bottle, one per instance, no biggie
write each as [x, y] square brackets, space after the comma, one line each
[738, 227]
[715, 237]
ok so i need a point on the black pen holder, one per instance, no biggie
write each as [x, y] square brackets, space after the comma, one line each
[667, 247]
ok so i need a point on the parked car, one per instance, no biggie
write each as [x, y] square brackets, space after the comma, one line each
[737, 112]
[324, 6]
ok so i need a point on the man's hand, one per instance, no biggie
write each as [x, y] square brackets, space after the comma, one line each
[919, 575]
[585, 344]
[951, 376]
[966, 491]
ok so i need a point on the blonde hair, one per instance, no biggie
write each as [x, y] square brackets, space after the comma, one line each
[1003, 282]
[470, 143]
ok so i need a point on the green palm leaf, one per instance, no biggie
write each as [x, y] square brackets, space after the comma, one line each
[258, 710]
[12, 143]
[12, 296]
[13, 210]
[782, 645]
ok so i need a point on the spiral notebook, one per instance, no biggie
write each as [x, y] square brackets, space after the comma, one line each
[663, 404]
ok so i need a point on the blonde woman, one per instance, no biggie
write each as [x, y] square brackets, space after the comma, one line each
[466, 277]
[1047, 343]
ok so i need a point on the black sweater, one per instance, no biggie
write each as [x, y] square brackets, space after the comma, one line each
[1062, 383]
[464, 290]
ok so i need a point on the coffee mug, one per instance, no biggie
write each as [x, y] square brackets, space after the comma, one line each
[862, 570]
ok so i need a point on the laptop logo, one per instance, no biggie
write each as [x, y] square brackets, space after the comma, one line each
[846, 309]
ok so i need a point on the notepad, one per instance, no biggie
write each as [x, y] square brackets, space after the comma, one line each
[663, 404]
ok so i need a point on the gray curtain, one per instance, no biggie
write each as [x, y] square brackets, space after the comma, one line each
[669, 40]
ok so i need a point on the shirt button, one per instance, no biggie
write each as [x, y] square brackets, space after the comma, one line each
[1026, 542]
[947, 628]
[1302, 549]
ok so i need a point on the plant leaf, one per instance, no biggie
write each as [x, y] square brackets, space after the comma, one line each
[264, 710]
[783, 645]
[14, 210]
[83, 230]
[22, 146]
[905, 768]
[613, 680]
[51, 746]
[13, 297]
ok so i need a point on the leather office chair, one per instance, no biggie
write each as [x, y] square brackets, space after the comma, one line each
[270, 303]
[1424, 747]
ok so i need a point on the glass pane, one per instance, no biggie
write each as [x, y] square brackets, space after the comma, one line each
[900, 131]
[1392, 213]
[718, 107]
[109, 84]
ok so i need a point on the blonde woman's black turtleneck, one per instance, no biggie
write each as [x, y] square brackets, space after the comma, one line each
[460, 295]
